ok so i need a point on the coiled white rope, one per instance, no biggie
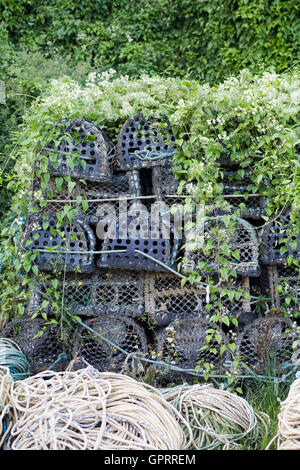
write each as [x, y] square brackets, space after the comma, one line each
[86, 409]
[289, 420]
[219, 419]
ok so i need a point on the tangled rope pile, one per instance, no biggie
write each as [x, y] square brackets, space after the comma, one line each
[86, 409]
[289, 420]
[5, 405]
[219, 419]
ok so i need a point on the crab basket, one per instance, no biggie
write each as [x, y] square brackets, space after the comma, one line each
[144, 143]
[87, 199]
[166, 300]
[63, 246]
[102, 292]
[242, 255]
[184, 344]
[140, 243]
[41, 343]
[84, 152]
[266, 346]
[108, 340]
[282, 285]
[279, 240]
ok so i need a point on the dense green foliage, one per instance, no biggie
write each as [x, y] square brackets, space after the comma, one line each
[209, 39]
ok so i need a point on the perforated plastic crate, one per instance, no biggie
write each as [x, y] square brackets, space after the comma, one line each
[65, 246]
[84, 144]
[144, 143]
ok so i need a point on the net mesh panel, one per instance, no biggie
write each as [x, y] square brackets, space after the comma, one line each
[152, 140]
[282, 285]
[94, 197]
[101, 293]
[166, 300]
[76, 239]
[266, 345]
[120, 331]
[274, 238]
[93, 148]
[42, 351]
[243, 239]
[181, 344]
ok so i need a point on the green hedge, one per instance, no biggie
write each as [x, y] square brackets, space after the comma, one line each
[210, 39]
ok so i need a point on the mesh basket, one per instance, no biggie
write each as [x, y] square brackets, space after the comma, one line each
[67, 246]
[99, 347]
[41, 350]
[274, 246]
[144, 144]
[166, 300]
[87, 145]
[89, 200]
[104, 292]
[243, 248]
[184, 343]
[266, 345]
[282, 285]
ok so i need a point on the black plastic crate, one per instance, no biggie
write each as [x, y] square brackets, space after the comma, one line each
[144, 143]
[90, 148]
[60, 246]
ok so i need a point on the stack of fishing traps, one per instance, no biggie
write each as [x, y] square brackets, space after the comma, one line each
[114, 250]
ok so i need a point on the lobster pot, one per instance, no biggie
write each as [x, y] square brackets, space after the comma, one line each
[67, 247]
[40, 343]
[140, 243]
[235, 187]
[266, 345]
[108, 341]
[86, 146]
[183, 344]
[242, 255]
[278, 240]
[144, 143]
[282, 285]
[89, 200]
[166, 300]
[103, 292]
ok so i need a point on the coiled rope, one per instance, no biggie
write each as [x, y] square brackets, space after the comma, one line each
[6, 421]
[86, 409]
[219, 419]
[289, 420]
[13, 358]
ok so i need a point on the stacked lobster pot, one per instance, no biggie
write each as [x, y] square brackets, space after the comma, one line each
[84, 191]
[108, 239]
